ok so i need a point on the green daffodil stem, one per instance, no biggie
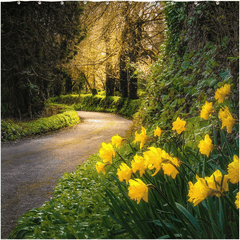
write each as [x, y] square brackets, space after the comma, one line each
[129, 145]
[175, 141]
[220, 149]
[151, 138]
[113, 166]
[232, 205]
[184, 177]
[149, 180]
[121, 157]
[224, 193]
[188, 168]
[174, 209]
[162, 195]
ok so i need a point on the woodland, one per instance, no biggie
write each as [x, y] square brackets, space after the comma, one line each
[172, 67]
[58, 49]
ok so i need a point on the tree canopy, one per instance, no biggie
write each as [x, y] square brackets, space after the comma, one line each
[119, 33]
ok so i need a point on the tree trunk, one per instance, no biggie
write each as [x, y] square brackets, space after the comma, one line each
[132, 86]
[110, 81]
[123, 78]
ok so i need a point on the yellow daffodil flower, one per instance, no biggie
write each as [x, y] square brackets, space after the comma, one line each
[208, 187]
[153, 159]
[142, 137]
[107, 152]
[222, 92]
[237, 200]
[170, 169]
[179, 125]
[165, 155]
[101, 167]
[158, 132]
[218, 182]
[124, 172]
[205, 146]
[138, 164]
[227, 119]
[117, 140]
[233, 170]
[198, 191]
[206, 110]
[138, 190]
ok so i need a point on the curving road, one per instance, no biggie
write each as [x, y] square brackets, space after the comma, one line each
[30, 168]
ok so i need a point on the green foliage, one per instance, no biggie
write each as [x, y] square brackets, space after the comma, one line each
[188, 71]
[175, 14]
[180, 86]
[97, 103]
[12, 131]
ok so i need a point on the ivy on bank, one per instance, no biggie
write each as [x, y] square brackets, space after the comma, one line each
[189, 70]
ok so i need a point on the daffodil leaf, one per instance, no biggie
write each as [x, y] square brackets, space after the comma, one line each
[193, 220]
[167, 236]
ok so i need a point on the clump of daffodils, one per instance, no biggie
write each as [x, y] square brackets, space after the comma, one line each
[157, 161]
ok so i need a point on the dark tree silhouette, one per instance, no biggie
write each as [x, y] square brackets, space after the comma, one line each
[35, 41]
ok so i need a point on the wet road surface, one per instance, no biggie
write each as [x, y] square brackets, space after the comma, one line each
[30, 168]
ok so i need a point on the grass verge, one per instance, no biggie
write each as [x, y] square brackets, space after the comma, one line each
[13, 131]
[78, 208]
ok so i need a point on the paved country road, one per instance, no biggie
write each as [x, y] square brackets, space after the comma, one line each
[30, 168]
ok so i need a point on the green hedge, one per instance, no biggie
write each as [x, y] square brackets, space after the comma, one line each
[12, 131]
[97, 103]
